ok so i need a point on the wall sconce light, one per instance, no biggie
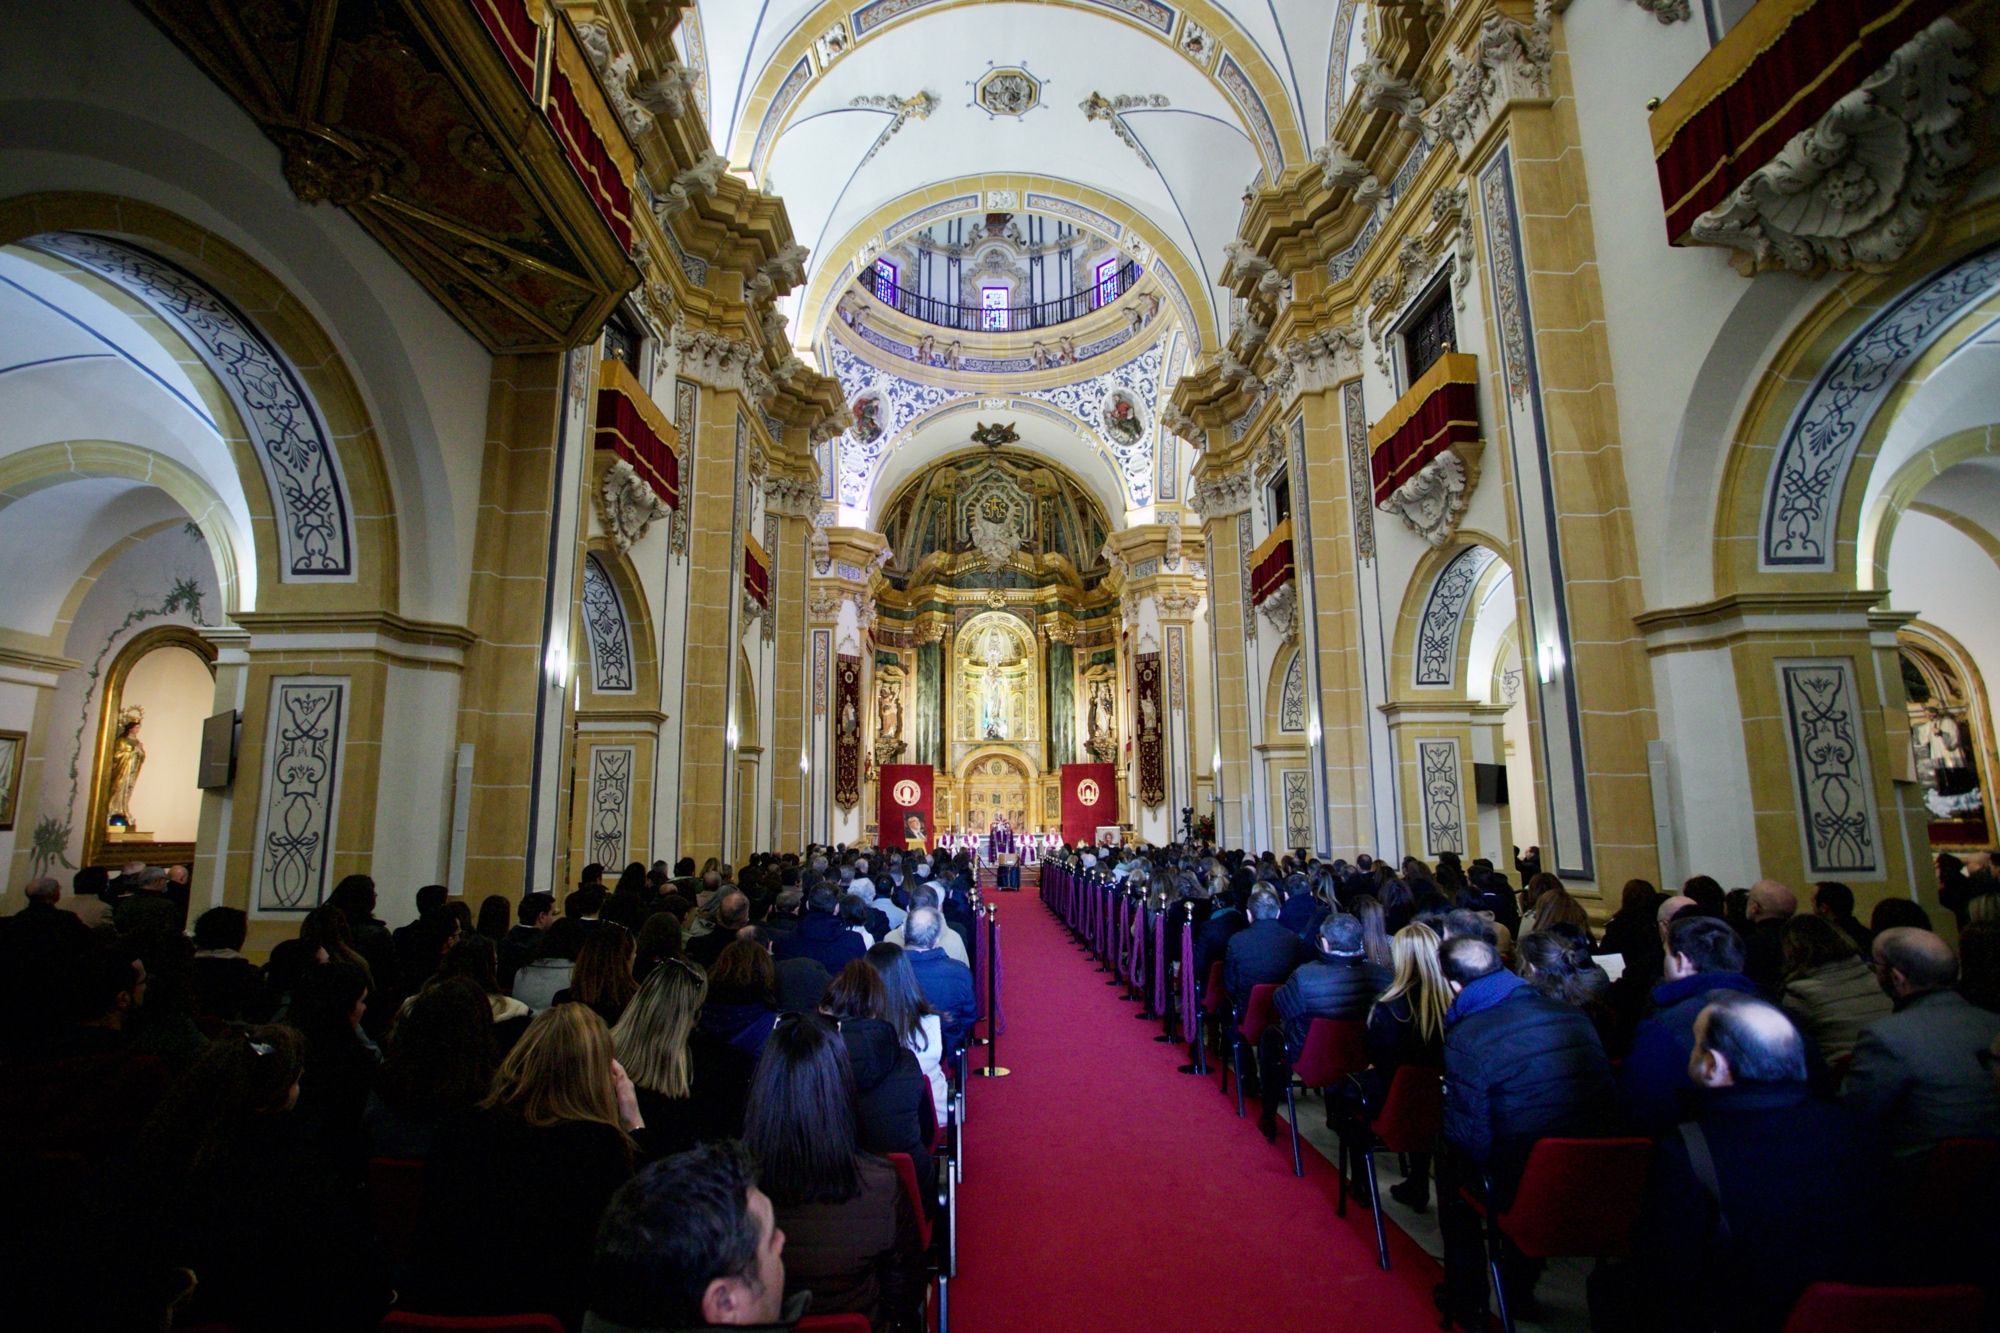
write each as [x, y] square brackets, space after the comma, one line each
[1312, 732]
[730, 735]
[1548, 661]
[557, 665]
[805, 762]
[1215, 761]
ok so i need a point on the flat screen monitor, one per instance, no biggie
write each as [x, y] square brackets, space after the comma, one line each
[218, 751]
[1489, 782]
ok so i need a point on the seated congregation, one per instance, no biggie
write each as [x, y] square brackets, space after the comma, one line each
[1720, 1097]
[728, 1098]
[683, 1100]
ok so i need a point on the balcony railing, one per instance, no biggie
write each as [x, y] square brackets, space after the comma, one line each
[882, 284]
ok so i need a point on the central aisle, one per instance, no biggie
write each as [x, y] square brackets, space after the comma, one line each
[1104, 1190]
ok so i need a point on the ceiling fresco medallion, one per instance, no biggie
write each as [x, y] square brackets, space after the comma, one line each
[1007, 90]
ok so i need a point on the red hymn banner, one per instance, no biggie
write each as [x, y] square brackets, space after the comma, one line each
[905, 805]
[1089, 798]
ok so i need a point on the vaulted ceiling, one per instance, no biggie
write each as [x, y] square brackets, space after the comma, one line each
[1198, 99]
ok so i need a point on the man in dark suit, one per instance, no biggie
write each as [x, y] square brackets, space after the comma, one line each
[1916, 1076]
[1718, 1241]
[1263, 953]
[1341, 985]
[821, 934]
[945, 982]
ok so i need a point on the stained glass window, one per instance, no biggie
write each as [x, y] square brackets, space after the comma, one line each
[887, 281]
[993, 308]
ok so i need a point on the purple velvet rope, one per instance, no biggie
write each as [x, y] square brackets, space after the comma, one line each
[998, 1022]
[1188, 996]
[1159, 995]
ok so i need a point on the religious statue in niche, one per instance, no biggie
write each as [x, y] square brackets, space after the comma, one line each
[1121, 418]
[995, 680]
[867, 418]
[128, 756]
[1102, 724]
[889, 712]
[1149, 716]
[993, 689]
[850, 725]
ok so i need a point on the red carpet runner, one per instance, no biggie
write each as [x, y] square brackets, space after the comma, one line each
[1105, 1191]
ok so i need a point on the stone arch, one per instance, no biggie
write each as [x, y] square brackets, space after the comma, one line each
[1885, 510]
[1286, 698]
[781, 85]
[1431, 627]
[1794, 479]
[1181, 275]
[149, 252]
[612, 609]
[52, 465]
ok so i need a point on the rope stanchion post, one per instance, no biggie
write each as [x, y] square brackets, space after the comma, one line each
[993, 1068]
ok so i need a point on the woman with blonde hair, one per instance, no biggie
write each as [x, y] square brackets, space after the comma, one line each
[516, 1186]
[690, 1087]
[1406, 1027]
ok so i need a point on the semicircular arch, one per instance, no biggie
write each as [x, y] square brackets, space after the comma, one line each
[1178, 272]
[1791, 499]
[1247, 82]
[1430, 640]
[321, 473]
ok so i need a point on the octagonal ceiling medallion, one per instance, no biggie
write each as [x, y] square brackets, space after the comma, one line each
[1007, 90]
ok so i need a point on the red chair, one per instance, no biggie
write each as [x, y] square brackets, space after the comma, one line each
[1958, 1175]
[1578, 1198]
[1411, 1121]
[395, 1204]
[404, 1322]
[833, 1323]
[913, 1190]
[1334, 1049]
[1259, 1012]
[1214, 1000]
[1837, 1307]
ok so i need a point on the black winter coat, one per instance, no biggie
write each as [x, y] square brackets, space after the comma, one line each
[1263, 954]
[1338, 988]
[1518, 1067]
[889, 1088]
[1211, 939]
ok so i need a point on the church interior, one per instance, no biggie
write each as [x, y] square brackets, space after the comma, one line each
[486, 443]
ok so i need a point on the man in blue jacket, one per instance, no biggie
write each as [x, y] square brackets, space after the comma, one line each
[821, 935]
[1704, 957]
[945, 982]
[1518, 1066]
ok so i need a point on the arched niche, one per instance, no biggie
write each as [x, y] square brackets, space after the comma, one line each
[145, 798]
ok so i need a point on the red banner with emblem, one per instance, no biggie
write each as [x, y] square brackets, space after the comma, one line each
[1089, 798]
[905, 807]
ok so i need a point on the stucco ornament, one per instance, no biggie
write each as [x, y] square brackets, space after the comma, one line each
[1508, 62]
[1859, 187]
[1281, 609]
[1432, 502]
[697, 181]
[1112, 111]
[1667, 11]
[1341, 171]
[627, 505]
[995, 540]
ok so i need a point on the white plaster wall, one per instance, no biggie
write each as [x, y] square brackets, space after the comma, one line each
[124, 601]
[17, 713]
[1943, 576]
[73, 116]
[413, 793]
[1701, 721]
[1679, 389]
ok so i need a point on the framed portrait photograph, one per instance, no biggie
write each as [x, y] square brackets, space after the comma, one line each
[13, 752]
